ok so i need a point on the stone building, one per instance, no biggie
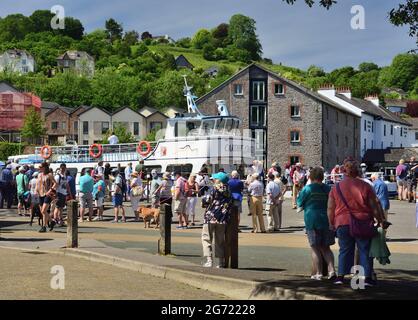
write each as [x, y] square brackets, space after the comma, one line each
[78, 61]
[289, 122]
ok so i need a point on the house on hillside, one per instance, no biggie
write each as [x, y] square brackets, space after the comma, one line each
[397, 106]
[155, 119]
[212, 71]
[13, 107]
[165, 39]
[380, 128]
[18, 61]
[182, 62]
[79, 62]
[289, 122]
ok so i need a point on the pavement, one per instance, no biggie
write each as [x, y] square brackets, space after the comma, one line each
[271, 266]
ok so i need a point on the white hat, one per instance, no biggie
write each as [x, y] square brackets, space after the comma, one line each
[35, 174]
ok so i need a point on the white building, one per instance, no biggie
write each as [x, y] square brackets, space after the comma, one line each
[380, 128]
[18, 61]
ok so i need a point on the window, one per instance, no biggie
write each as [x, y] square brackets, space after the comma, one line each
[75, 125]
[365, 125]
[381, 147]
[391, 144]
[156, 125]
[294, 136]
[401, 131]
[66, 63]
[64, 125]
[85, 142]
[294, 160]
[238, 90]
[278, 89]
[337, 140]
[365, 144]
[336, 116]
[258, 116]
[259, 91]
[384, 131]
[85, 127]
[416, 135]
[295, 111]
[372, 126]
[24, 62]
[54, 125]
[136, 128]
[391, 130]
[105, 127]
[25, 69]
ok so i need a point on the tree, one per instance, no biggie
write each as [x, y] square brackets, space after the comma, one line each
[220, 35]
[121, 132]
[314, 71]
[114, 29]
[402, 72]
[367, 67]
[201, 37]
[73, 28]
[146, 35]
[209, 52]
[41, 20]
[406, 14]
[324, 3]
[33, 126]
[131, 37]
[14, 27]
[184, 42]
[242, 34]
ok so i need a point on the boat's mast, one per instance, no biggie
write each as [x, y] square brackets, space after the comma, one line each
[191, 104]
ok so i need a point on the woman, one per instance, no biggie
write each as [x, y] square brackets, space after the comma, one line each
[314, 199]
[353, 198]
[215, 219]
[164, 189]
[136, 193]
[34, 205]
[401, 175]
[192, 189]
[46, 189]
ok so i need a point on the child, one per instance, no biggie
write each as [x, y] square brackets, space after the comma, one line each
[99, 189]
[117, 195]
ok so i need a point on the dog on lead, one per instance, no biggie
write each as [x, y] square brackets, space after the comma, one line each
[148, 214]
[36, 212]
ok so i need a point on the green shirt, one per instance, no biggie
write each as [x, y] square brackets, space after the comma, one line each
[22, 183]
[314, 200]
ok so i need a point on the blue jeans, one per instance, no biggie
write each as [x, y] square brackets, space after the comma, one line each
[346, 254]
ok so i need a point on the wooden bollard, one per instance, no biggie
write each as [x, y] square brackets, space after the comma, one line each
[231, 240]
[72, 224]
[164, 243]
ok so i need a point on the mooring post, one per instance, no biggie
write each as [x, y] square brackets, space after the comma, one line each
[164, 243]
[231, 240]
[72, 224]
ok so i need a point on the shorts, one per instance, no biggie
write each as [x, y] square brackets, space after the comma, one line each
[99, 202]
[412, 185]
[21, 199]
[401, 183]
[45, 200]
[117, 200]
[180, 206]
[238, 204]
[61, 201]
[86, 200]
[317, 238]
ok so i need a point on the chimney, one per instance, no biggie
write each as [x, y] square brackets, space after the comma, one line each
[327, 90]
[373, 98]
[346, 91]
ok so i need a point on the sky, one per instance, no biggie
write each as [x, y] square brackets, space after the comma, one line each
[296, 36]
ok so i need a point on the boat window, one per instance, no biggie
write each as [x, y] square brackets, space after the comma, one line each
[185, 169]
[220, 124]
[207, 127]
[229, 125]
[193, 127]
[180, 129]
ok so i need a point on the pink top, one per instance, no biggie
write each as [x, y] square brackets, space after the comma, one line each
[356, 192]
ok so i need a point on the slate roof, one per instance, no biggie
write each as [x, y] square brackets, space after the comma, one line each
[5, 86]
[376, 111]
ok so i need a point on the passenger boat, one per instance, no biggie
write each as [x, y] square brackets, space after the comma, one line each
[191, 141]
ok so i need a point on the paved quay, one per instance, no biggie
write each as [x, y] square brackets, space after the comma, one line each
[270, 265]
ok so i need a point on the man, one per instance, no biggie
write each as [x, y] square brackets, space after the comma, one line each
[154, 190]
[99, 191]
[117, 195]
[180, 200]
[273, 194]
[298, 182]
[6, 185]
[63, 191]
[236, 187]
[128, 174]
[411, 180]
[256, 191]
[382, 193]
[22, 183]
[113, 139]
[86, 195]
[140, 169]
[202, 181]
[99, 170]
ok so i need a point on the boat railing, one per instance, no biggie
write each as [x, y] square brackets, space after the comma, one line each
[81, 153]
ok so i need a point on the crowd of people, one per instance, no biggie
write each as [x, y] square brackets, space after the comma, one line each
[350, 210]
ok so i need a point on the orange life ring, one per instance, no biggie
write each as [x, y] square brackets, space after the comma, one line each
[48, 154]
[99, 150]
[139, 148]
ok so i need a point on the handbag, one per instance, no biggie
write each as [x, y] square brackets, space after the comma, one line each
[363, 229]
[137, 191]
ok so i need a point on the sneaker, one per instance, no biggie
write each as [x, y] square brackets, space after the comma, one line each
[115, 221]
[96, 219]
[208, 264]
[80, 220]
[51, 225]
[339, 280]
[42, 230]
[332, 276]
[179, 227]
[316, 277]
[369, 282]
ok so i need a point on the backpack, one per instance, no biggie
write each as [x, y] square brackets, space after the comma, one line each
[284, 180]
[124, 185]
